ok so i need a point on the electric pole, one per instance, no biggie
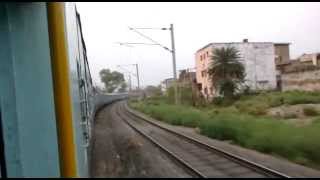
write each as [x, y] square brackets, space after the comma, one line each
[130, 85]
[173, 52]
[137, 69]
[136, 75]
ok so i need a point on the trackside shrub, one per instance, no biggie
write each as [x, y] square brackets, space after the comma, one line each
[264, 134]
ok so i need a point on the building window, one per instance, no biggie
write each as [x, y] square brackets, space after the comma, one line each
[207, 53]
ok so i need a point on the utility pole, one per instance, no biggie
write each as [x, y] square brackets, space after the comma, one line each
[130, 85]
[255, 71]
[137, 69]
[136, 75]
[173, 52]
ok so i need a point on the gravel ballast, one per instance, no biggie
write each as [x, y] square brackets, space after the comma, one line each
[118, 151]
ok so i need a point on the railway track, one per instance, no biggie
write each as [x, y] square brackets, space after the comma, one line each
[200, 159]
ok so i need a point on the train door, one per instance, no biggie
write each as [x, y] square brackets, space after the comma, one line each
[83, 104]
[83, 89]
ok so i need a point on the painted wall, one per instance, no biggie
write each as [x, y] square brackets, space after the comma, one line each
[202, 65]
[26, 92]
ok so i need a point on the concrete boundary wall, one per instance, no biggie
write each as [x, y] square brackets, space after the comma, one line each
[301, 80]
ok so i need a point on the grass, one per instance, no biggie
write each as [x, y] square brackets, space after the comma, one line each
[244, 123]
[266, 135]
[176, 115]
[257, 104]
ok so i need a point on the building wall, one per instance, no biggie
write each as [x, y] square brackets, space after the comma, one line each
[186, 77]
[202, 64]
[308, 80]
[258, 59]
[282, 53]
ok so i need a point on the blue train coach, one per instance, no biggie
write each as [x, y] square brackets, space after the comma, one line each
[47, 99]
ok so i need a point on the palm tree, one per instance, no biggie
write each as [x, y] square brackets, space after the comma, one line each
[226, 71]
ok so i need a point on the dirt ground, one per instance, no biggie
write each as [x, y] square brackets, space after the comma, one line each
[118, 151]
[294, 113]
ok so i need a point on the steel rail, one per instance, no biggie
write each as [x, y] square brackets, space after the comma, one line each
[240, 160]
[171, 154]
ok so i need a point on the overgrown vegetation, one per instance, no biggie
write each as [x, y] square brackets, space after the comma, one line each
[310, 111]
[289, 97]
[243, 121]
[258, 104]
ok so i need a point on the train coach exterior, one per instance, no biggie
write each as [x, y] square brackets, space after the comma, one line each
[28, 119]
[47, 98]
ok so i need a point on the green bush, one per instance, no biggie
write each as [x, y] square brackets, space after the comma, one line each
[258, 104]
[310, 111]
[176, 115]
[218, 101]
[223, 101]
[185, 95]
[265, 134]
[170, 95]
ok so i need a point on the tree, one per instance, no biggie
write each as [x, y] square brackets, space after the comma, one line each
[226, 71]
[112, 80]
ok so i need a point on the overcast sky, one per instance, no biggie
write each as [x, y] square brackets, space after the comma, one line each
[195, 25]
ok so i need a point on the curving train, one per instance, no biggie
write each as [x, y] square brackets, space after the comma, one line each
[47, 98]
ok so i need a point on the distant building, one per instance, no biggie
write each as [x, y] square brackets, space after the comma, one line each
[259, 59]
[166, 84]
[313, 59]
[305, 60]
[301, 73]
[282, 58]
[187, 79]
[187, 76]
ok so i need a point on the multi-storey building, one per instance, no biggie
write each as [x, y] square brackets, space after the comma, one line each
[258, 58]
